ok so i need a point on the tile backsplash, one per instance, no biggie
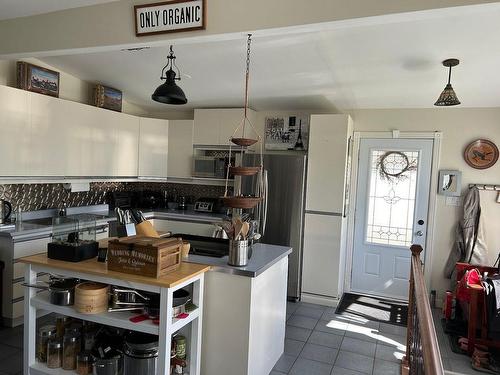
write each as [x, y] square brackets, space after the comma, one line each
[32, 197]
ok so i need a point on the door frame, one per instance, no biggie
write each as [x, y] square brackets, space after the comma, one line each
[431, 216]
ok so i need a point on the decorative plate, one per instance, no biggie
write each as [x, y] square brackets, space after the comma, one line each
[481, 154]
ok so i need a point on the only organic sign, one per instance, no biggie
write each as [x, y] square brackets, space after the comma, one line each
[169, 16]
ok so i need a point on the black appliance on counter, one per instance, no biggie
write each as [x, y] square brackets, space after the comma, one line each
[208, 205]
[148, 199]
[120, 199]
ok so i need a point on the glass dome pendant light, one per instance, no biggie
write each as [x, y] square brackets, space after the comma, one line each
[168, 92]
[448, 96]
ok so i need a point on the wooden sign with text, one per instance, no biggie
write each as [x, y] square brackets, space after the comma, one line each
[169, 16]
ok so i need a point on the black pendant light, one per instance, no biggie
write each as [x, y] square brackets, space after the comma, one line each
[168, 92]
[448, 96]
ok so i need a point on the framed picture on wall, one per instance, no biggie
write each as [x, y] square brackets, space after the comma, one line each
[108, 97]
[287, 133]
[37, 79]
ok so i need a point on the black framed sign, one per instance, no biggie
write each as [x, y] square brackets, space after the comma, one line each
[169, 16]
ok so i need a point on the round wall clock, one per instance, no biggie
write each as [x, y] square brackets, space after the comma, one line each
[481, 154]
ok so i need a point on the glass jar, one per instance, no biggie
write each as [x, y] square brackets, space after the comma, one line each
[44, 334]
[84, 363]
[62, 322]
[54, 353]
[180, 343]
[74, 330]
[70, 342]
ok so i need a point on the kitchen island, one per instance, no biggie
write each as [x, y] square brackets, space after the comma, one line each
[244, 313]
[92, 270]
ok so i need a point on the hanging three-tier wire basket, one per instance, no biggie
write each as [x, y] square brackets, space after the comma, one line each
[239, 144]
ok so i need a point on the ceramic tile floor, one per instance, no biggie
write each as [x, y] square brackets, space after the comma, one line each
[317, 342]
[320, 342]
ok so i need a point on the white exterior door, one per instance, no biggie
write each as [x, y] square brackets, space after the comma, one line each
[391, 213]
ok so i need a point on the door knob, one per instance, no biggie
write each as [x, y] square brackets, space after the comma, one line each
[419, 233]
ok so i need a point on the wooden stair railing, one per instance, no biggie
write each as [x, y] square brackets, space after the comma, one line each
[422, 348]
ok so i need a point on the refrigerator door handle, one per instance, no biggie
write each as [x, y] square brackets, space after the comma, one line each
[265, 202]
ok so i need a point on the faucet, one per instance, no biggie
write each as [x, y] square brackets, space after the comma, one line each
[62, 210]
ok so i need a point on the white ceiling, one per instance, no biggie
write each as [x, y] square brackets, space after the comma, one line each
[23, 8]
[386, 62]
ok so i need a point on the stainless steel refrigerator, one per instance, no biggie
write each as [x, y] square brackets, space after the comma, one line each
[284, 223]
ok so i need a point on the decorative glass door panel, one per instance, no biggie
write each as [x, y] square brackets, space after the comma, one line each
[391, 198]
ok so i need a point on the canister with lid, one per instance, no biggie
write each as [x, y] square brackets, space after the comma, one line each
[44, 334]
[54, 353]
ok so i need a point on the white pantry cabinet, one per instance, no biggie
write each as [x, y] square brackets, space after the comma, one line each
[327, 162]
[321, 257]
[153, 147]
[180, 148]
[215, 126]
[14, 129]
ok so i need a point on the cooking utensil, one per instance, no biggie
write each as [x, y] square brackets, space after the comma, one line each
[245, 228]
[61, 291]
[135, 216]
[127, 297]
[237, 225]
[228, 228]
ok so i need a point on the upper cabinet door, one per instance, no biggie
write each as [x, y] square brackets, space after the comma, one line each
[180, 148]
[206, 127]
[126, 157]
[215, 126]
[15, 131]
[153, 147]
[327, 162]
[52, 124]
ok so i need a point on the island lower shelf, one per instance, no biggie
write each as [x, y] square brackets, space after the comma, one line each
[120, 319]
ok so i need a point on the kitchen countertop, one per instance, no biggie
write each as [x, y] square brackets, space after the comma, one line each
[185, 272]
[32, 229]
[263, 257]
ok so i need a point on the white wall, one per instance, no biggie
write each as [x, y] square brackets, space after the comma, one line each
[71, 87]
[460, 126]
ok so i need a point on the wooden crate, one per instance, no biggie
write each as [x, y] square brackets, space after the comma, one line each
[145, 256]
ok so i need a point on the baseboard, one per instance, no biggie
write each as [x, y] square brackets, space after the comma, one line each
[319, 299]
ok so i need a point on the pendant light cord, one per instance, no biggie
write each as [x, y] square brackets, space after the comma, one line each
[449, 76]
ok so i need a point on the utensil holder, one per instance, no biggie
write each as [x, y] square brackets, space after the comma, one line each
[238, 253]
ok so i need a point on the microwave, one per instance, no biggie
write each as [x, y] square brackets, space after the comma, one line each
[210, 166]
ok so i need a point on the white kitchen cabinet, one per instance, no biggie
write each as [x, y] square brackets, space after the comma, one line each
[126, 157]
[321, 255]
[52, 151]
[215, 126]
[153, 147]
[184, 227]
[327, 162]
[180, 148]
[14, 129]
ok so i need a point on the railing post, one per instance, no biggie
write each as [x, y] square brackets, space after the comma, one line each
[415, 255]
